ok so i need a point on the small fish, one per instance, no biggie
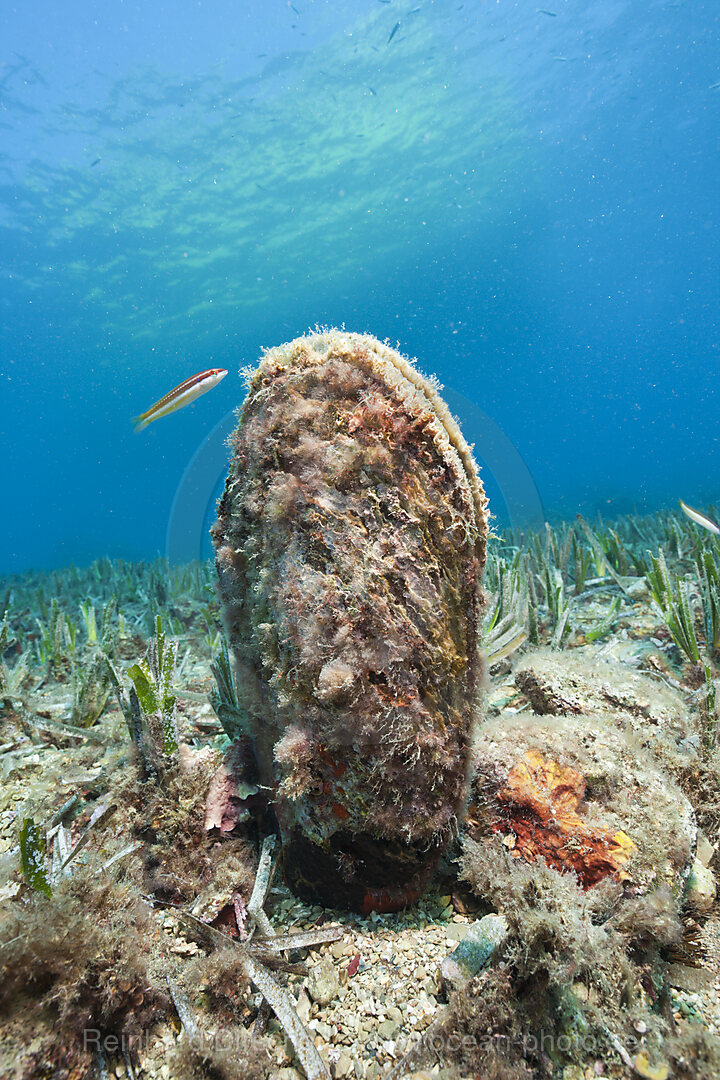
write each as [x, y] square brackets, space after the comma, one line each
[544, 11]
[95, 162]
[180, 396]
[700, 519]
[393, 32]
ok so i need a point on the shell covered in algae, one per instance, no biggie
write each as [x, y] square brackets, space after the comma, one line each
[350, 545]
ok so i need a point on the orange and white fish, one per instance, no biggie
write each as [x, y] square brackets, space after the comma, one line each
[180, 396]
[700, 518]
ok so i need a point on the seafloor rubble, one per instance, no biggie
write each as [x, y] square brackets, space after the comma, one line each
[570, 930]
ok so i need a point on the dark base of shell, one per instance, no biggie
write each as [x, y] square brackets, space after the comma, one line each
[381, 875]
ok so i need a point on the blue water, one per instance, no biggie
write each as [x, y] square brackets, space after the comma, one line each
[525, 200]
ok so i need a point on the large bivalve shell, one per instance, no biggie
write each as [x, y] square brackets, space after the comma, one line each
[350, 545]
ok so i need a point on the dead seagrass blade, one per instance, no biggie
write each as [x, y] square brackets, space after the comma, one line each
[350, 544]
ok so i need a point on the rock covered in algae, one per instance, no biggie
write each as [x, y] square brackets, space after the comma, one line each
[584, 798]
[350, 544]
